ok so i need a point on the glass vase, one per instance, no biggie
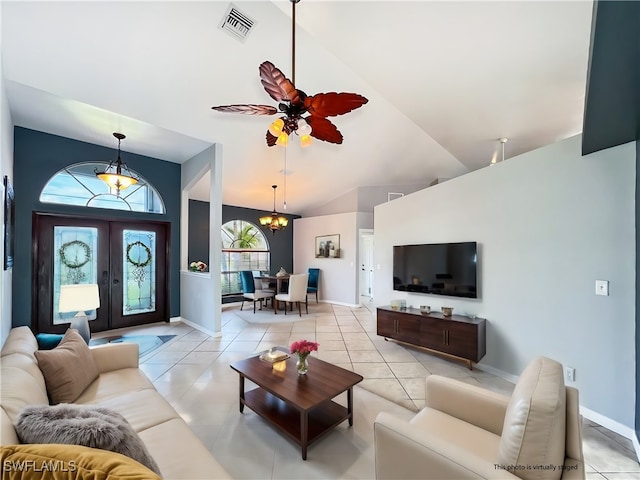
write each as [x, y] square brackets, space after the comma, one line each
[302, 365]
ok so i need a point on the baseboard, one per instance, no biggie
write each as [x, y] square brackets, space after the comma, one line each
[342, 304]
[612, 425]
[596, 417]
[497, 372]
[211, 333]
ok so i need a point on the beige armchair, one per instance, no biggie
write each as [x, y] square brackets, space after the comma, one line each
[467, 432]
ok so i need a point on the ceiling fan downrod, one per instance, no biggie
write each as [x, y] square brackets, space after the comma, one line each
[293, 40]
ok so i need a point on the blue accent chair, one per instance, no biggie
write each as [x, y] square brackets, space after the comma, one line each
[312, 285]
[250, 292]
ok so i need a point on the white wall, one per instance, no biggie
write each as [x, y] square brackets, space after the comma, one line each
[548, 223]
[338, 276]
[361, 199]
[6, 168]
[200, 294]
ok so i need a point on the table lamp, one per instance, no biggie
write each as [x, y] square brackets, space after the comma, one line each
[79, 298]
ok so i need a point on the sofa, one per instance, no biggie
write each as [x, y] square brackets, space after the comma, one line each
[465, 431]
[121, 387]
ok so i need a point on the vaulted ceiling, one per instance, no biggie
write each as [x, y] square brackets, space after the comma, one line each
[444, 81]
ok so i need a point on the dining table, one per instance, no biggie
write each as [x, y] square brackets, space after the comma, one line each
[280, 280]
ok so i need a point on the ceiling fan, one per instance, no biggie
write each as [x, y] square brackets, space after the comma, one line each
[303, 115]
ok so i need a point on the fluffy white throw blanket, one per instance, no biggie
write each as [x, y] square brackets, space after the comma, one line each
[78, 425]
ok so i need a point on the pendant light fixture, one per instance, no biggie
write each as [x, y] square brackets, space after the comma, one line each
[113, 176]
[274, 221]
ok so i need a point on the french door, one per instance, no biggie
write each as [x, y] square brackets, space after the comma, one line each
[127, 260]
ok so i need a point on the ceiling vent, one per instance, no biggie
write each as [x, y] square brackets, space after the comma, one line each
[236, 23]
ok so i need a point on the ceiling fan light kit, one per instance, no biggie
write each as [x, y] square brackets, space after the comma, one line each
[306, 116]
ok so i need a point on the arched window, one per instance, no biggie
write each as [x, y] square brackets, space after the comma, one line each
[244, 247]
[78, 185]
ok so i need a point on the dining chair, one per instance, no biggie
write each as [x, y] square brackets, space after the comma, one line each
[312, 285]
[297, 293]
[261, 284]
[250, 292]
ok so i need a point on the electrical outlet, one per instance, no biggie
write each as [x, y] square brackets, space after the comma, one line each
[570, 373]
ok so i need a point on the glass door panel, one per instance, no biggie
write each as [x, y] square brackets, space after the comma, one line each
[75, 262]
[68, 250]
[139, 272]
[139, 259]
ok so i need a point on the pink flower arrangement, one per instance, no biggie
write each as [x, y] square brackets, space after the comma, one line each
[304, 347]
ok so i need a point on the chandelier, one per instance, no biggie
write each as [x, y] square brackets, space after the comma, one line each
[113, 176]
[274, 221]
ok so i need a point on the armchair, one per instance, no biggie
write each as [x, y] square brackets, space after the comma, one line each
[467, 432]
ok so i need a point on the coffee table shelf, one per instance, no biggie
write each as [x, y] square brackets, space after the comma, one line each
[287, 419]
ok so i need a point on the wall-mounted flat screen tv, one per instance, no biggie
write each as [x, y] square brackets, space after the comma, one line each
[436, 268]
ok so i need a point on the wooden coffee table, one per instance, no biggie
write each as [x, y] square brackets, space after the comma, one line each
[300, 406]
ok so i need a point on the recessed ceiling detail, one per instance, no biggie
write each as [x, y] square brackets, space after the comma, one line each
[237, 23]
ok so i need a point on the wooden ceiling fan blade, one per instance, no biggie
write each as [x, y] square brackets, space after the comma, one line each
[331, 104]
[324, 130]
[247, 109]
[279, 87]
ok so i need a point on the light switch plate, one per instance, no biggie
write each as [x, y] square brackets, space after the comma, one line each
[602, 287]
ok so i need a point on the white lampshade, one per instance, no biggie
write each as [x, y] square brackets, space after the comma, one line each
[79, 298]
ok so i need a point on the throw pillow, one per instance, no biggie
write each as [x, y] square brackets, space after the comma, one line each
[78, 425]
[48, 341]
[68, 369]
[62, 462]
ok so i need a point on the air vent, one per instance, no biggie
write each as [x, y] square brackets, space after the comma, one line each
[393, 196]
[237, 23]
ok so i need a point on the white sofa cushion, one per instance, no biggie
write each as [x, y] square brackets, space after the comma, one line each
[181, 458]
[114, 384]
[19, 389]
[142, 409]
[533, 435]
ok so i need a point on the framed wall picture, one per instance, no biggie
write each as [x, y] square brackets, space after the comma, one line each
[328, 246]
[9, 223]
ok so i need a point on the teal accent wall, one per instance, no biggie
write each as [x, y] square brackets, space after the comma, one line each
[37, 157]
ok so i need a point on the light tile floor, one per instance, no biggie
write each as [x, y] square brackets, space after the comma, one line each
[192, 372]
